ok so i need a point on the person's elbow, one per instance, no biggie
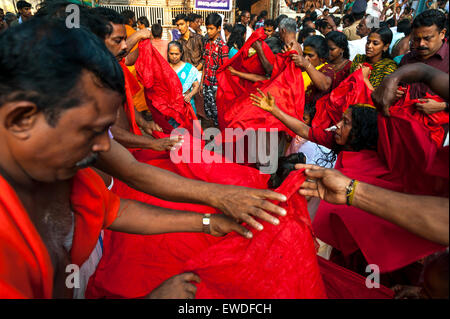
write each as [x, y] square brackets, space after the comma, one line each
[325, 85]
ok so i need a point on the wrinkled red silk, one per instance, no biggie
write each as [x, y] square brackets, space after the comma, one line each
[133, 265]
[234, 107]
[329, 108]
[163, 89]
[408, 160]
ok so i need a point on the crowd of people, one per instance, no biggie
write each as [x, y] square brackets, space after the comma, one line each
[362, 104]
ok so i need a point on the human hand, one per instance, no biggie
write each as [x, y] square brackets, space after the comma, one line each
[325, 183]
[221, 225]
[167, 143]
[151, 126]
[243, 204]
[300, 61]
[188, 97]
[265, 102]
[176, 287]
[144, 34]
[232, 70]
[386, 94]
[430, 106]
[257, 46]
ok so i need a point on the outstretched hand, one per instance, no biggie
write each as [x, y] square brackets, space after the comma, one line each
[325, 183]
[167, 143]
[244, 204]
[265, 102]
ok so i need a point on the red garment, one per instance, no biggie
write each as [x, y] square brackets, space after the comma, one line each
[131, 88]
[234, 107]
[26, 270]
[134, 265]
[329, 108]
[407, 161]
[342, 74]
[341, 283]
[163, 90]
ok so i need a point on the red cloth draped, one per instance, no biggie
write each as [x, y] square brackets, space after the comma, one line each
[341, 283]
[26, 270]
[131, 88]
[134, 265]
[234, 107]
[408, 161]
[163, 89]
[329, 108]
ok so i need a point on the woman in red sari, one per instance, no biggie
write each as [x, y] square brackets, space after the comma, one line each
[339, 56]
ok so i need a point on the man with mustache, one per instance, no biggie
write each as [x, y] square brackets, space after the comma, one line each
[124, 130]
[428, 46]
[51, 210]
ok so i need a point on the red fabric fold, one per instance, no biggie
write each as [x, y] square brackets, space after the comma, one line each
[133, 265]
[163, 89]
[234, 107]
[329, 108]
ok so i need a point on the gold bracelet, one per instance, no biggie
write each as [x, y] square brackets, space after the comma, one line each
[351, 191]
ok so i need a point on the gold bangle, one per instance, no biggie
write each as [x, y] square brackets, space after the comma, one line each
[351, 191]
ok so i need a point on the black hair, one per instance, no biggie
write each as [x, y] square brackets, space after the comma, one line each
[143, 20]
[349, 17]
[306, 20]
[110, 15]
[386, 36]
[269, 23]
[390, 22]
[404, 26]
[96, 20]
[326, 9]
[178, 45]
[243, 13]
[278, 20]
[383, 24]
[181, 16]
[213, 19]
[362, 136]
[313, 15]
[358, 16]
[42, 56]
[191, 17]
[157, 30]
[336, 20]
[22, 4]
[304, 33]
[319, 44]
[228, 27]
[263, 14]
[428, 18]
[128, 15]
[237, 36]
[340, 40]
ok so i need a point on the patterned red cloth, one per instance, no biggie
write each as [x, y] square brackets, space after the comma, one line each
[214, 56]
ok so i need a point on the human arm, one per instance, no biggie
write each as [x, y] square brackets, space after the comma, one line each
[425, 216]
[267, 103]
[132, 57]
[137, 36]
[267, 66]
[385, 95]
[138, 218]
[247, 76]
[195, 89]
[320, 80]
[147, 126]
[238, 202]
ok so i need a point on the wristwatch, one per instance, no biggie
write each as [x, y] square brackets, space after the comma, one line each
[207, 223]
